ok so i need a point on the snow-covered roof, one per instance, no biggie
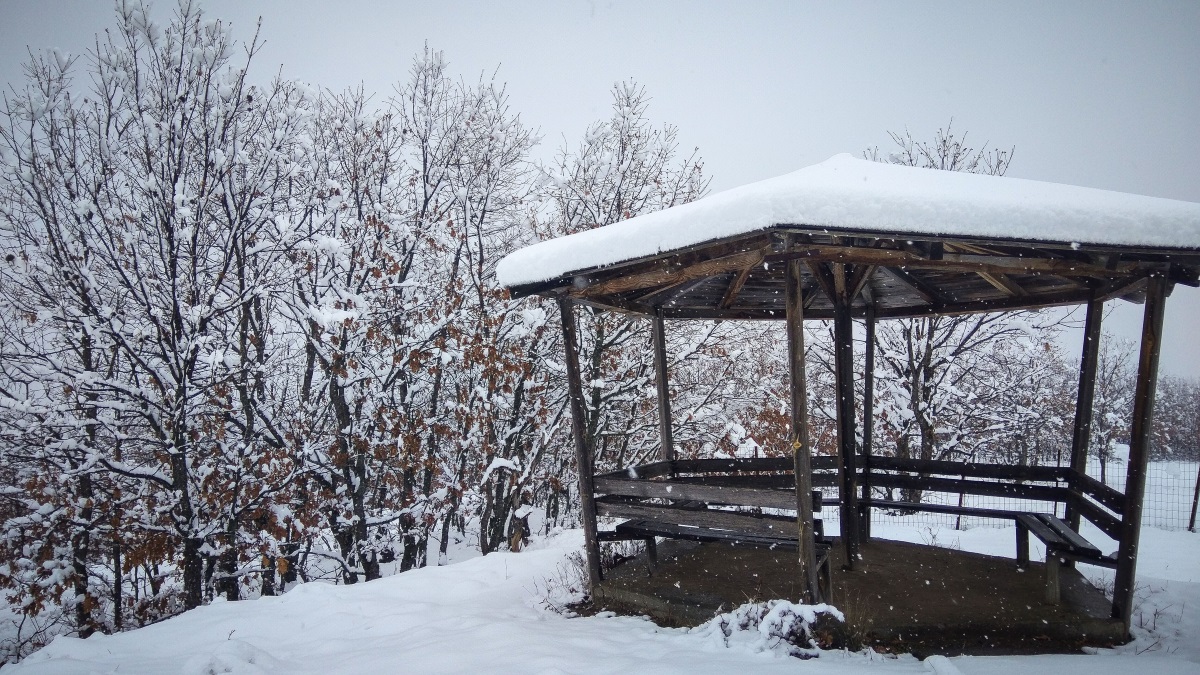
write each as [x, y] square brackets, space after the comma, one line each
[848, 193]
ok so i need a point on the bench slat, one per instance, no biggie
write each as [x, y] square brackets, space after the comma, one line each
[649, 528]
[941, 508]
[1041, 530]
[1073, 538]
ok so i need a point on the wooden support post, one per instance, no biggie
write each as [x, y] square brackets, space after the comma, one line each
[1083, 403]
[666, 438]
[843, 339]
[1139, 449]
[801, 450]
[1053, 566]
[1022, 545]
[583, 454]
[868, 419]
[652, 553]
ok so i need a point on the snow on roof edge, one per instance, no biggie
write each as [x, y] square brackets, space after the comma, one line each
[848, 193]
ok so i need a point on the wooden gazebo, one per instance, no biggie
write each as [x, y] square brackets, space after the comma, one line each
[851, 239]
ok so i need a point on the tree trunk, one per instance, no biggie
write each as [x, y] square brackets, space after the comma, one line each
[193, 573]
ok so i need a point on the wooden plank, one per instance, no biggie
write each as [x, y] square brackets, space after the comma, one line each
[952, 509]
[1082, 430]
[1139, 449]
[926, 292]
[1108, 496]
[827, 462]
[1105, 521]
[971, 469]
[1100, 561]
[761, 481]
[709, 494]
[1039, 529]
[726, 520]
[1071, 537]
[665, 435]
[651, 470]
[648, 528]
[971, 487]
[583, 456]
[801, 449]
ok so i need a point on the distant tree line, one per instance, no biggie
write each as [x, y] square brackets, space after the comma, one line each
[250, 333]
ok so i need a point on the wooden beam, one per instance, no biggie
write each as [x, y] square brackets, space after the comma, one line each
[673, 290]
[824, 279]
[665, 435]
[864, 526]
[1121, 288]
[662, 277]
[1086, 395]
[764, 525]
[801, 450]
[954, 262]
[583, 454]
[735, 287]
[839, 281]
[858, 281]
[1139, 449]
[843, 343]
[710, 494]
[926, 292]
[1004, 284]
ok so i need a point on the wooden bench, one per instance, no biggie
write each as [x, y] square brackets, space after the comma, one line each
[647, 529]
[1062, 543]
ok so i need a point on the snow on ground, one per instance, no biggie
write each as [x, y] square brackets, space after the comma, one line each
[493, 615]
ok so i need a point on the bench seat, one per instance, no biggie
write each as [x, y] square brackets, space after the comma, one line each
[647, 530]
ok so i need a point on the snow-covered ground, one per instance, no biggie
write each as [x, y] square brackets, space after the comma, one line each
[494, 615]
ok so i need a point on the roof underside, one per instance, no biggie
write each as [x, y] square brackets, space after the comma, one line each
[743, 277]
[904, 240]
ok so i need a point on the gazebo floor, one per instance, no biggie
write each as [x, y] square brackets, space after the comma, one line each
[902, 597]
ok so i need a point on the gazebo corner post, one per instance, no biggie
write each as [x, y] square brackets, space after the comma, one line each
[583, 453]
[801, 450]
[1081, 434]
[843, 338]
[662, 382]
[1139, 449]
[864, 509]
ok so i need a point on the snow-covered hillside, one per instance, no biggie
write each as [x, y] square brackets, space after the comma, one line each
[493, 615]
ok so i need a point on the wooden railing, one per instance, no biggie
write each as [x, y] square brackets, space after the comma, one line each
[768, 483]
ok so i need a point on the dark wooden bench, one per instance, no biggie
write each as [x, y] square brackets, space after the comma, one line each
[1062, 544]
[647, 529]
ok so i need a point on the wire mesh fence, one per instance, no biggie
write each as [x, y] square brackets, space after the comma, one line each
[1167, 504]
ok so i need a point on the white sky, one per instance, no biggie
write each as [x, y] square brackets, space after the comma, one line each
[1092, 93]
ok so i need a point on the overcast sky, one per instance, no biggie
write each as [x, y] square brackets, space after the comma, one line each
[1099, 94]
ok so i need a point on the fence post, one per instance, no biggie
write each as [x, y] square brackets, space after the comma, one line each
[1195, 499]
